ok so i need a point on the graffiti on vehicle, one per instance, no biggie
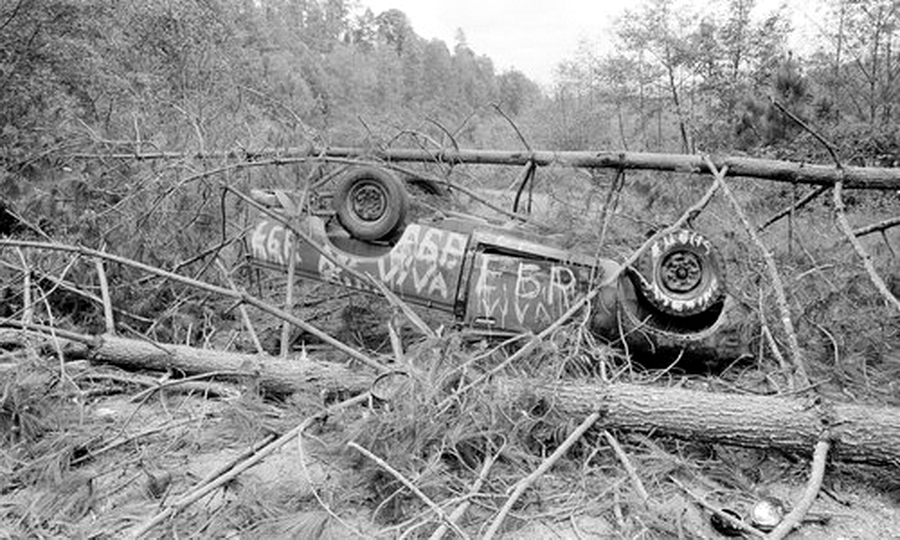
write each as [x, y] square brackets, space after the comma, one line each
[425, 264]
[272, 242]
[426, 261]
[512, 293]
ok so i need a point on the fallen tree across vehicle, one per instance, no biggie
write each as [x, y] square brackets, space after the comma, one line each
[795, 172]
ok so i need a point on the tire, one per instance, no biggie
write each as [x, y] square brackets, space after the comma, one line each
[681, 274]
[371, 203]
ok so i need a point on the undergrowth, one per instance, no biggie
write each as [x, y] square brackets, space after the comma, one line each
[444, 428]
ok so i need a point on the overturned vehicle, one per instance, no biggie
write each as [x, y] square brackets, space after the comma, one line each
[672, 304]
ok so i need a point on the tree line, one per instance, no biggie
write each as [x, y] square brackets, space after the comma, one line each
[189, 74]
[738, 79]
[227, 74]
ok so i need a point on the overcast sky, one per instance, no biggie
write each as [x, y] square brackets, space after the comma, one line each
[532, 36]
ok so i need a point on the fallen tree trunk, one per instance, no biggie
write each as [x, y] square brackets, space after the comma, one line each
[767, 169]
[859, 433]
[273, 375]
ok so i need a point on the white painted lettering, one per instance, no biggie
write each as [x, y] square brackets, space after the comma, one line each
[258, 241]
[528, 285]
[273, 246]
[562, 282]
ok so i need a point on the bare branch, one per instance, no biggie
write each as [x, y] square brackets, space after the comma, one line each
[526, 482]
[799, 363]
[806, 199]
[412, 487]
[844, 226]
[201, 490]
[877, 227]
[796, 515]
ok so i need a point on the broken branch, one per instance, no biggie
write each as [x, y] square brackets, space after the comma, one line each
[809, 494]
[412, 487]
[844, 226]
[799, 363]
[526, 482]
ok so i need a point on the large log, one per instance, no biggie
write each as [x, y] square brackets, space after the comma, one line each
[767, 169]
[795, 172]
[859, 433]
[273, 375]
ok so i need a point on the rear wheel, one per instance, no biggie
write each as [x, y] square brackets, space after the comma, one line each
[371, 203]
[681, 274]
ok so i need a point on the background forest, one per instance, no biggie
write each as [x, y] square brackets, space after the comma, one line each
[231, 74]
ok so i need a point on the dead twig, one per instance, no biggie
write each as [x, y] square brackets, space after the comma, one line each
[187, 385]
[412, 487]
[462, 189]
[104, 295]
[527, 179]
[460, 510]
[795, 517]
[776, 352]
[609, 206]
[629, 467]
[203, 489]
[799, 364]
[187, 381]
[877, 227]
[513, 124]
[245, 317]
[288, 299]
[315, 492]
[92, 454]
[396, 342]
[844, 226]
[828, 146]
[28, 307]
[526, 482]
[446, 131]
[806, 199]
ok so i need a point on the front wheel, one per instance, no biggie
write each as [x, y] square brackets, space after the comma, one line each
[371, 203]
[681, 274]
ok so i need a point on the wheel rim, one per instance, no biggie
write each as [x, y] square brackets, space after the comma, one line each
[368, 201]
[681, 272]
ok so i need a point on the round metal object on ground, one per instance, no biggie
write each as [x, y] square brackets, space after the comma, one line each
[767, 514]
